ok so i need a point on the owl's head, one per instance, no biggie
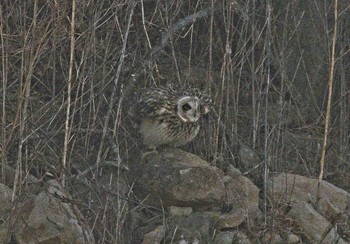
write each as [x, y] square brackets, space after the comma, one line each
[190, 108]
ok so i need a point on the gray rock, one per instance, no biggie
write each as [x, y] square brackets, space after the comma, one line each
[292, 239]
[225, 237]
[5, 201]
[230, 220]
[4, 227]
[173, 177]
[49, 217]
[240, 238]
[180, 211]
[233, 172]
[273, 238]
[154, 237]
[248, 156]
[5, 210]
[192, 229]
[194, 241]
[243, 194]
[297, 188]
[313, 224]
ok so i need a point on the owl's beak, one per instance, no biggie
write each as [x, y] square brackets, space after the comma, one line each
[186, 119]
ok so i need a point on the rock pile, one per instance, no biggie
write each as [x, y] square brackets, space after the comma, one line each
[198, 197]
[319, 216]
[44, 216]
[205, 205]
[183, 199]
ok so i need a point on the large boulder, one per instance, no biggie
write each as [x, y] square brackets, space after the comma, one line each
[242, 194]
[316, 228]
[173, 177]
[48, 217]
[316, 208]
[200, 198]
[297, 188]
[192, 229]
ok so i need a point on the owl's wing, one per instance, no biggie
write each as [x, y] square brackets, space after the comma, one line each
[141, 109]
[150, 104]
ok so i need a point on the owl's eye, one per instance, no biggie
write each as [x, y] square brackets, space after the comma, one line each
[186, 107]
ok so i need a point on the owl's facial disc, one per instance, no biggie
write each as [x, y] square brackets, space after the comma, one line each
[188, 109]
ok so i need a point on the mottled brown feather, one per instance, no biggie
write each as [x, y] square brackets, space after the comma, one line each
[159, 119]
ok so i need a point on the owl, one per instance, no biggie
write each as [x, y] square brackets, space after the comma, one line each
[169, 116]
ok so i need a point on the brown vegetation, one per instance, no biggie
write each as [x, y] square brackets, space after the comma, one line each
[69, 71]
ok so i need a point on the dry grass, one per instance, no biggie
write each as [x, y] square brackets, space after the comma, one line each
[69, 74]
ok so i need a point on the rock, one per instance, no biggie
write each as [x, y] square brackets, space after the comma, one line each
[240, 238]
[297, 188]
[8, 174]
[5, 201]
[272, 237]
[233, 172]
[173, 177]
[230, 220]
[180, 211]
[191, 229]
[4, 232]
[292, 239]
[154, 237]
[225, 237]
[313, 224]
[5, 210]
[243, 194]
[194, 241]
[248, 156]
[49, 217]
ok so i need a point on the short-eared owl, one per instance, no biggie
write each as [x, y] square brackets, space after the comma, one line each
[170, 115]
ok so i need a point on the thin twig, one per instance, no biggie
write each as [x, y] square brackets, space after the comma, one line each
[266, 108]
[116, 80]
[166, 36]
[26, 92]
[330, 90]
[180, 24]
[4, 66]
[144, 25]
[69, 89]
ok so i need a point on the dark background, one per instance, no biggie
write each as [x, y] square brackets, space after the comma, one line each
[266, 63]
